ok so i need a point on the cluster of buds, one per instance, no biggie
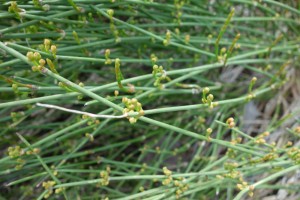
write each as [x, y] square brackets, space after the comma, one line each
[33, 151]
[54, 170]
[175, 152]
[288, 144]
[297, 130]
[90, 17]
[141, 189]
[237, 175]
[208, 133]
[49, 48]
[231, 166]
[143, 168]
[104, 178]
[269, 157]
[181, 187]
[49, 187]
[15, 87]
[90, 137]
[230, 122]
[167, 41]
[153, 58]
[168, 174]
[196, 57]
[37, 60]
[234, 174]
[294, 154]
[132, 106]
[209, 37]
[107, 59]
[13, 8]
[260, 138]
[110, 13]
[266, 158]
[223, 56]
[231, 153]
[16, 153]
[238, 140]
[104, 174]
[157, 69]
[59, 190]
[39, 4]
[208, 98]
[268, 67]
[243, 185]
[250, 97]
[160, 75]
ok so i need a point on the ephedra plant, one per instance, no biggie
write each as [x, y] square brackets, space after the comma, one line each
[141, 99]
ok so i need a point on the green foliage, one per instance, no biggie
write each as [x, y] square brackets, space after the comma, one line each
[176, 85]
